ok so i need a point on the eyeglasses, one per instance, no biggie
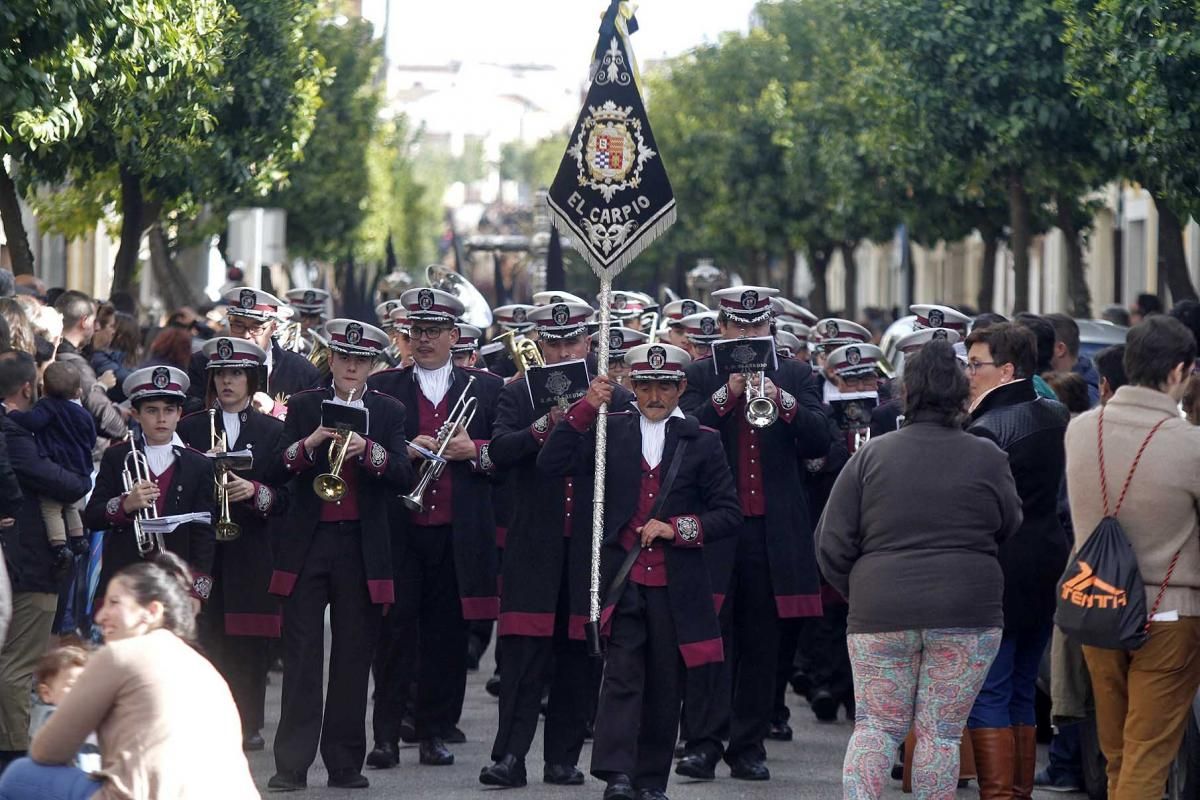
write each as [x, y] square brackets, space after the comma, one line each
[419, 332]
[240, 327]
[973, 366]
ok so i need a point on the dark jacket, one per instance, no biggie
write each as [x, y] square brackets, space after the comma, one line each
[1087, 370]
[703, 492]
[104, 360]
[109, 422]
[242, 567]
[190, 491]
[785, 445]
[474, 522]
[532, 569]
[384, 471]
[1030, 429]
[913, 527]
[65, 432]
[290, 374]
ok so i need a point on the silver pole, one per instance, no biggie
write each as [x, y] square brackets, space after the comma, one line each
[601, 448]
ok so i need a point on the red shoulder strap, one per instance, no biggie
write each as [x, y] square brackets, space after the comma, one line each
[1132, 469]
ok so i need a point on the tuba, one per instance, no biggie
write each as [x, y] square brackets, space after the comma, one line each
[226, 529]
[460, 417]
[137, 470]
[524, 352]
[331, 486]
[476, 311]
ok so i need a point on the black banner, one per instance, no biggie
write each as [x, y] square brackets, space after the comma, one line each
[345, 418]
[853, 410]
[557, 385]
[755, 354]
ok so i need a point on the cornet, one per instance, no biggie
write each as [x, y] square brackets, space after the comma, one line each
[226, 529]
[761, 410]
[524, 353]
[460, 417]
[331, 486]
[137, 470]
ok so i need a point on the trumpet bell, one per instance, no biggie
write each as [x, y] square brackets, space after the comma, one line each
[330, 488]
[228, 531]
[761, 412]
[413, 503]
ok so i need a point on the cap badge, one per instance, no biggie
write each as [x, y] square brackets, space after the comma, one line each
[561, 315]
[750, 300]
[688, 308]
[225, 349]
[425, 299]
[161, 378]
[853, 356]
[657, 357]
[519, 315]
[616, 340]
[310, 298]
[354, 333]
[939, 334]
[831, 329]
[246, 298]
[708, 326]
[620, 301]
[936, 318]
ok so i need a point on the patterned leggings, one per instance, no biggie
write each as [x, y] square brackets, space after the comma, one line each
[928, 677]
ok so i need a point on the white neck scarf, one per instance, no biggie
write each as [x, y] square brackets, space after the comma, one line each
[435, 382]
[654, 438]
[233, 427]
[160, 457]
[357, 402]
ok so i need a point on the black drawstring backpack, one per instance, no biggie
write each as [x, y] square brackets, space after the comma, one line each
[1101, 597]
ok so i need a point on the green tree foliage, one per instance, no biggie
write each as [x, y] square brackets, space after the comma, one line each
[401, 207]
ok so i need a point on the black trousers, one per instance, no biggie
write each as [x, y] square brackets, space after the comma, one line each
[243, 662]
[428, 619]
[704, 726]
[789, 639]
[637, 718]
[824, 655]
[333, 575]
[755, 640]
[526, 663]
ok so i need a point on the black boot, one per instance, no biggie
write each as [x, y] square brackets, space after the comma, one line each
[384, 756]
[562, 775]
[434, 753]
[507, 773]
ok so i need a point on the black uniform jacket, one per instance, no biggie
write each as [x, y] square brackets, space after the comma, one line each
[473, 521]
[1030, 429]
[383, 473]
[533, 561]
[702, 506]
[25, 473]
[784, 446]
[242, 568]
[190, 491]
[291, 373]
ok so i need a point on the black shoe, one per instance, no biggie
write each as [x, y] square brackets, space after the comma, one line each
[651, 794]
[680, 749]
[780, 732]
[619, 788]
[456, 736]
[825, 706]
[474, 652]
[435, 754]
[384, 756]
[507, 773]
[492, 686]
[284, 781]
[749, 768]
[589, 731]
[252, 741]
[699, 765]
[562, 775]
[348, 778]
[801, 684]
[408, 730]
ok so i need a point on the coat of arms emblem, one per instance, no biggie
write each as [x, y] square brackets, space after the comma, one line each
[161, 378]
[936, 318]
[561, 315]
[425, 299]
[657, 357]
[225, 350]
[354, 333]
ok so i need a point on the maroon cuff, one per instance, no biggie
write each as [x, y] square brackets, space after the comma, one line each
[787, 406]
[295, 458]
[374, 458]
[540, 429]
[723, 400]
[114, 511]
[688, 531]
[263, 498]
[582, 415]
[202, 586]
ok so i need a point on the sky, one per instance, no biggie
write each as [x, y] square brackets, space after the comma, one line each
[560, 33]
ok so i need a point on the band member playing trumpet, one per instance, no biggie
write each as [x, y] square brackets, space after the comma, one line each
[336, 554]
[446, 564]
[669, 494]
[774, 572]
[165, 477]
[242, 618]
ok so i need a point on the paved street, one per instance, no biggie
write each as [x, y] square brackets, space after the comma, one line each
[808, 768]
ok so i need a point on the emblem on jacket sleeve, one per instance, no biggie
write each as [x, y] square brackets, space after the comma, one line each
[202, 586]
[687, 528]
[378, 455]
[786, 401]
[293, 452]
[542, 423]
[262, 498]
[113, 506]
[485, 458]
[721, 396]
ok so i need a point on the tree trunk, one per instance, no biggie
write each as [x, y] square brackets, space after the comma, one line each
[987, 272]
[14, 225]
[132, 208]
[793, 268]
[818, 265]
[1171, 254]
[1019, 222]
[172, 284]
[850, 304]
[1079, 297]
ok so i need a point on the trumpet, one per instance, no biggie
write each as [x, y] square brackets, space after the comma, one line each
[524, 353]
[137, 470]
[226, 529]
[331, 486]
[761, 410]
[649, 322]
[460, 417]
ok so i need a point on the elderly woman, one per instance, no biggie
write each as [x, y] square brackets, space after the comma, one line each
[910, 537]
[154, 702]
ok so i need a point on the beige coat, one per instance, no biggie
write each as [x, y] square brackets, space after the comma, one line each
[167, 725]
[1160, 512]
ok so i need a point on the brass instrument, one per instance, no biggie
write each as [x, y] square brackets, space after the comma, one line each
[649, 323]
[318, 352]
[761, 410]
[460, 417]
[331, 486]
[137, 470]
[523, 352]
[226, 529]
[476, 310]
